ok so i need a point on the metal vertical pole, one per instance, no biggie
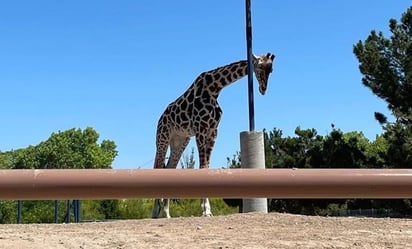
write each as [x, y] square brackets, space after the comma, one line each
[75, 210]
[56, 211]
[19, 207]
[250, 66]
[68, 211]
[76, 204]
[79, 208]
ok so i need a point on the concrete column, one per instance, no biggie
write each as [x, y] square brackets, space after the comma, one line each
[253, 157]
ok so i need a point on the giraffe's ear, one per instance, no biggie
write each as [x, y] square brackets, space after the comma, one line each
[268, 55]
[254, 57]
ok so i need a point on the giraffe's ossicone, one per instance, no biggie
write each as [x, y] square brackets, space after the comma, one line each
[197, 113]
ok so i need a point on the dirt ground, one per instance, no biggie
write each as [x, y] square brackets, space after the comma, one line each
[233, 231]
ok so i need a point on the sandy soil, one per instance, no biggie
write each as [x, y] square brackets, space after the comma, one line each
[233, 231]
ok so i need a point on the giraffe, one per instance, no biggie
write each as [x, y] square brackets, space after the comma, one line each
[197, 113]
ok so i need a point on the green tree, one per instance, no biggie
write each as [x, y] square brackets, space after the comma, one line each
[110, 209]
[300, 151]
[272, 142]
[188, 162]
[376, 152]
[7, 211]
[386, 65]
[73, 148]
[234, 162]
[344, 150]
[5, 160]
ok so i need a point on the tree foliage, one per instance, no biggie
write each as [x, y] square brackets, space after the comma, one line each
[73, 148]
[188, 161]
[308, 149]
[233, 162]
[386, 65]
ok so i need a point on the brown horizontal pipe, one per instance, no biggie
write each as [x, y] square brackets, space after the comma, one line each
[229, 183]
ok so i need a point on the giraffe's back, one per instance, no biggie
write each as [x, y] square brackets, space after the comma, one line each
[187, 118]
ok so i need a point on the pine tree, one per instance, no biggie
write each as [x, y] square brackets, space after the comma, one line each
[386, 65]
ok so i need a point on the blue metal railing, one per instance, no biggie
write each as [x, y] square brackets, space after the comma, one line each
[69, 204]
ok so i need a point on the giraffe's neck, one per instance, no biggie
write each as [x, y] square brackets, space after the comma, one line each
[215, 80]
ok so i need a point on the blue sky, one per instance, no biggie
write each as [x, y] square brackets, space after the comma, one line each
[116, 65]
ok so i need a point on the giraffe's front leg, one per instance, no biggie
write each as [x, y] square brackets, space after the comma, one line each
[205, 145]
[156, 208]
[165, 210]
[206, 210]
[161, 208]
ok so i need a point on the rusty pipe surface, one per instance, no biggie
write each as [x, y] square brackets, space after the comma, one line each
[229, 183]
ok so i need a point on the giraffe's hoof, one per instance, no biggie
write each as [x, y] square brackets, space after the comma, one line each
[207, 215]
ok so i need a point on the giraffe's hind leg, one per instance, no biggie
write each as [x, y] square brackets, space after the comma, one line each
[161, 147]
[205, 206]
[177, 146]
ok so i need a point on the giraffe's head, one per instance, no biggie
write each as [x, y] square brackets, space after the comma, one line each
[262, 65]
